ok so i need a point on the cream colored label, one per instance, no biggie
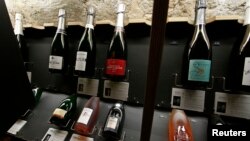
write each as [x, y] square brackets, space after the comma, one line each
[55, 62]
[76, 137]
[112, 122]
[60, 112]
[246, 72]
[85, 115]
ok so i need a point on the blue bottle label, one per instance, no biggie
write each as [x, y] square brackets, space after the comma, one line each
[199, 70]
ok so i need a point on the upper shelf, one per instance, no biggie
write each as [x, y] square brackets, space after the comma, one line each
[39, 14]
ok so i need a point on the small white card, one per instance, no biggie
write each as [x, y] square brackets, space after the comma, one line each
[17, 126]
[116, 90]
[193, 100]
[29, 75]
[55, 135]
[76, 137]
[236, 105]
[87, 86]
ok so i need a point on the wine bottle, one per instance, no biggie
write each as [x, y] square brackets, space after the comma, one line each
[65, 111]
[239, 65]
[18, 30]
[37, 91]
[197, 59]
[58, 58]
[179, 127]
[116, 61]
[88, 117]
[114, 122]
[86, 52]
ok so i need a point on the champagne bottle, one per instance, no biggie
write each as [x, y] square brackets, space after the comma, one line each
[179, 128]
[65, 111]
[58, 59]
[86, 52]
[196, 71]
[239, 65]
[114, 122]
[88, 116]
[18, 30]
[116, 61]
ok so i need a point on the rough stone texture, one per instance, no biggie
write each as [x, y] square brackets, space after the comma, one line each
[40, 13]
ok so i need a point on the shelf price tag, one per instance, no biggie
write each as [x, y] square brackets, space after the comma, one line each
[76, 137]
[55, 135]
[87, 86]
[193, 100]
[17, 126]
[116, 90]
[236, 105]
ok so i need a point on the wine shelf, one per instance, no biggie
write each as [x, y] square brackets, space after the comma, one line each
[37, 121]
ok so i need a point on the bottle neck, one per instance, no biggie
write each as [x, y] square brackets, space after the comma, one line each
[61, 25]
[18, 30]
[90, 22]
[119, 21]
[200, 16]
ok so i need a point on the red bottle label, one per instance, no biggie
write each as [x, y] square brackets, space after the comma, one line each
[115, 67]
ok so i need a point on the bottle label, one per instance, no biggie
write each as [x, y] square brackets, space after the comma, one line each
[246, 72]
[115, 67]
[180, 134]
[81, 57]
[59, 113]
[112, 122]
[55, 62]
[199, 70]
[85, 116]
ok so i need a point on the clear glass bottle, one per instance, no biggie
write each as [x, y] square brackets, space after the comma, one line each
[88, 117]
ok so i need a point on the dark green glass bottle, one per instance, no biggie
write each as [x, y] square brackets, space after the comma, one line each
[116, 61]
[86, 52]
[197, 59]
[58, 58]
[114, 122]
[37, 91]
[64, 112]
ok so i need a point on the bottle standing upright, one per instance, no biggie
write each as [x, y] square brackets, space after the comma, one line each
[86, 52]
[114, 122]
[197, 59]
[18, 30]
[58, 58]
[65, 111]
[116, 61]
[88, 117]
[239, 66]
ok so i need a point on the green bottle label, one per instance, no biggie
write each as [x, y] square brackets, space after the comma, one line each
[199, 70]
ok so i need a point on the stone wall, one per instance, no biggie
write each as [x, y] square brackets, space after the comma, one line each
[41, 13]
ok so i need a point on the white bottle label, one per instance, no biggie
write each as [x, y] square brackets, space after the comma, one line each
[29, 73]
[59, 113]
[85, 116]
[246, 72]
[55, 62]
[81, 57]
[112, 122]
